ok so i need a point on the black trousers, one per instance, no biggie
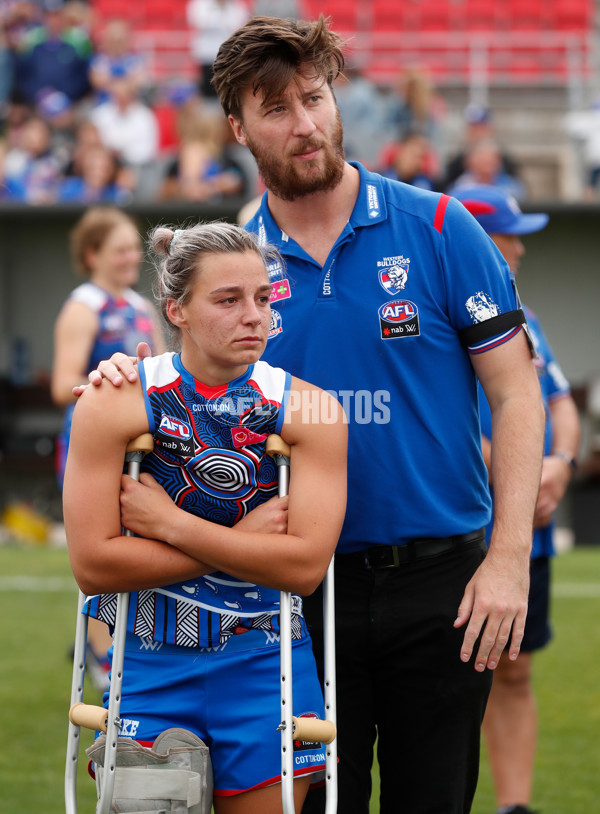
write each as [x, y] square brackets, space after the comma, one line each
[400, 680]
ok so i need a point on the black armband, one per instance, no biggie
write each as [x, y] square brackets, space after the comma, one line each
[473, 334]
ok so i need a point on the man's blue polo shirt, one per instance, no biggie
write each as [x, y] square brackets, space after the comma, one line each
[378, 326]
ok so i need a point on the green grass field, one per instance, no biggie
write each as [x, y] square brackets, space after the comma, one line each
[38, 601]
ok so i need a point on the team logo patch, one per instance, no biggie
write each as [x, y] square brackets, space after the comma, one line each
[176, 436]
[275, 326]
[393, 278]
[398, 318]
[481, 307]
[280, 290]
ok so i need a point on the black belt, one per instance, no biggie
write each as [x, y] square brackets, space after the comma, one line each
[391, 556]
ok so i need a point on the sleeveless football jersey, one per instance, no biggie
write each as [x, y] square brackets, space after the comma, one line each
[209, 455]
[122, 323]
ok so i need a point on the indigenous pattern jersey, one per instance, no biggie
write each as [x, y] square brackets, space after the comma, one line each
[209, 455]
[379, 324]
[122, 323]
[554, 385]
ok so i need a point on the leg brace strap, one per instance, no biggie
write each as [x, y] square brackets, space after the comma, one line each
[174, 776]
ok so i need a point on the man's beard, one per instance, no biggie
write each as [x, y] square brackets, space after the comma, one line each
[281, 177]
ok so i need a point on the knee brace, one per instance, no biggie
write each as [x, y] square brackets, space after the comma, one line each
[173, 777]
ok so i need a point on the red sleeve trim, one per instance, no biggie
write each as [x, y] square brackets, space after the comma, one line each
[440, 212]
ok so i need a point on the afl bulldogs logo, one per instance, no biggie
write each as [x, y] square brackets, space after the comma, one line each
[394, 278]
[275, 326]
[481, 307]
[398, 318]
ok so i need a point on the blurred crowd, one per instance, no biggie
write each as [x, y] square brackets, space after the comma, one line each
[82, 121]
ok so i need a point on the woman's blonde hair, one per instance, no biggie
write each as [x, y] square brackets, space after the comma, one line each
[90, 232]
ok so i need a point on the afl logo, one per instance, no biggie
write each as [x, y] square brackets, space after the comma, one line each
[175, 428]
[398, 318]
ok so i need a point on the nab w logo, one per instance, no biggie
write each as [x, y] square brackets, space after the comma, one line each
[272, 638]
[398, 318]
[146, 643]
[175, 427]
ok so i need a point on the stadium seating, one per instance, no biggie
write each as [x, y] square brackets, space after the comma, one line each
[520, 40]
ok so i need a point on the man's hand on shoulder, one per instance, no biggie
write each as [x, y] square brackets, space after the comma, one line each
[116, 369]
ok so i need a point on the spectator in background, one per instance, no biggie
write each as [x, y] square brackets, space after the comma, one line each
[212, 22]
[584, 127]
[53, 55]
[414, 106]
[19, 17]
[479, 126]
[31, 171]
[98, 181]
[176, 103]
[411, 160]
[362, 115]
[116, 56]
[6, 72]
[129, 128]
[286, 9]
[60, 115]
[510, 723]
[483, 165]
[102, 313]
[202, 171]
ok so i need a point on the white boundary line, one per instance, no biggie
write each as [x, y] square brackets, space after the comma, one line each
[38, 584]
[560, 590]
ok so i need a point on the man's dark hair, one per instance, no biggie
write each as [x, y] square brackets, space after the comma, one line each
[267, 53]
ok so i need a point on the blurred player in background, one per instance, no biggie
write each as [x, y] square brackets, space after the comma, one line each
[510, 724]
[102, 315]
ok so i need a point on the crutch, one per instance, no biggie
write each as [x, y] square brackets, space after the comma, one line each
[88, 715]
[304, 729]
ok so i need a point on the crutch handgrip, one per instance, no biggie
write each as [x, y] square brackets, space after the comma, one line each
[313, 730]
[277, 446]
[88, 715]
[143, 443]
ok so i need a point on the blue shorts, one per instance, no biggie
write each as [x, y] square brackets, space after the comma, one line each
[230, 697]
[538, 631]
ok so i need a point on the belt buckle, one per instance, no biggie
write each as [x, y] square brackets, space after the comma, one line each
[395, 558]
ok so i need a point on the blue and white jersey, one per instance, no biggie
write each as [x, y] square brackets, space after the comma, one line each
[123, 322]
[209, 455]
[379, 326]
[554, 385]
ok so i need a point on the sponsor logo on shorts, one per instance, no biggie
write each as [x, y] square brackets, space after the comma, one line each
[303, 746]
[398, 318]
[129, 728]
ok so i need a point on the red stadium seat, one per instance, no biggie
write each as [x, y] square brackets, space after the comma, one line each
[436, 14]
[573, 15]
[389, 15]
[480, 15]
